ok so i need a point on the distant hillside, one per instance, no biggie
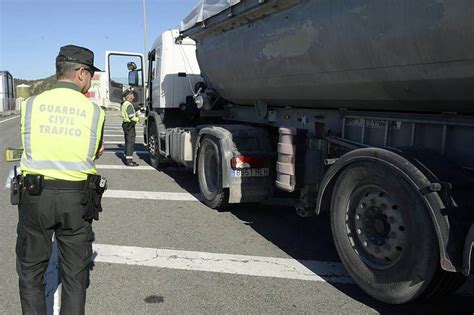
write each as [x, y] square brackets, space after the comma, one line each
[37, 86]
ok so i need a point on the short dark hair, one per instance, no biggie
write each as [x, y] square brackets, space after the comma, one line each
[65, 69]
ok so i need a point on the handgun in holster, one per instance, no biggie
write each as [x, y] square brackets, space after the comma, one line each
[96, 185]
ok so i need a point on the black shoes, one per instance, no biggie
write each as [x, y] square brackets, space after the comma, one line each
[131, 163]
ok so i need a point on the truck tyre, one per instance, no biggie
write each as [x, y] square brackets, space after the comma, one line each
[383, 233]
[209, 170]
[156, 160]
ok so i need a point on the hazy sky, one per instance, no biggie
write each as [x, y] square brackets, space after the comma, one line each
[31, 31]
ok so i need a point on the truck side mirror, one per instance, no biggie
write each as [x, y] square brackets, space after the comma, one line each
[133, 78]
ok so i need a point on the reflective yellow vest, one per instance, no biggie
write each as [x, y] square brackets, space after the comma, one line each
[128, 112]
[61, 132]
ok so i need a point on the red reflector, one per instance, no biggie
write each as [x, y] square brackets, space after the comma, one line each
[240, 162]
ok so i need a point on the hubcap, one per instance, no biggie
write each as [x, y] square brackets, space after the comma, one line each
[375, 226]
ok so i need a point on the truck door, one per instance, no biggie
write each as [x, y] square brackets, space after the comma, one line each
[125, 70]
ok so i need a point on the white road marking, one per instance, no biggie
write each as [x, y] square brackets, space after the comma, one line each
[2, 121]
[121, 151]
[120, 127]
[144, 168]
[123, 142]
[118, 135]
[285, 268]
[114, 142]
[152, 195]
[53, 281]
[124, 167]
[107, 132]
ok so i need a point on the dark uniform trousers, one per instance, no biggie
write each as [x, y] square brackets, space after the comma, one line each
[129, 133]
[59, 211]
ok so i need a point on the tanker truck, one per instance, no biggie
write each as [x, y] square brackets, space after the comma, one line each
[362, 109]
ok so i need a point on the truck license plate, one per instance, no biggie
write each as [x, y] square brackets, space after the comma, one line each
[251, 172]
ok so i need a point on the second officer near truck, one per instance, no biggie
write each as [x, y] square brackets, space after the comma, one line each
[130, 118]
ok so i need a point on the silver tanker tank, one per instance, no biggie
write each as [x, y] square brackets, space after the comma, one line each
[405, 55]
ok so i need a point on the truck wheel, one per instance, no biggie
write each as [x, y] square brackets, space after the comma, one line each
[209, 170]
[156, 160]
[384, 233]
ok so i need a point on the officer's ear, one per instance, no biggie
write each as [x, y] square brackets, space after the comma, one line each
[82, 74]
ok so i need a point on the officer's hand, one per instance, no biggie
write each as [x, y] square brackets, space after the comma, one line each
[101, 151]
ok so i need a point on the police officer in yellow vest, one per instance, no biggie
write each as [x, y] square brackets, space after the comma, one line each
[130, 118]
[61, 132]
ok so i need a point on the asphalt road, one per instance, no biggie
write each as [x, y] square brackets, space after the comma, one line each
[159, 250]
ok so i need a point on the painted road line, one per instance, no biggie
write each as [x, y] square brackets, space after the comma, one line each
[139, 132]
[152, 195]
[121, 151]
[2, 121]
[113, 125]
[140, 168]
[118, 122]
[114, 142]
[147, 168]
[124, 167]
[119, 131]
[118, 126]
[284, 268]
[53, 282]
[123, 142]
[118, 135]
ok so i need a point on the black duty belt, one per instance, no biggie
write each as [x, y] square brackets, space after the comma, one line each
[64, 185]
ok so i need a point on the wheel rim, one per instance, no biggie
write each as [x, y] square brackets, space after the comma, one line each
[375, 226]
[153, 145]
[210, 171]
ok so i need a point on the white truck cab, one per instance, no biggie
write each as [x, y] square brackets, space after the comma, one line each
[174, 70]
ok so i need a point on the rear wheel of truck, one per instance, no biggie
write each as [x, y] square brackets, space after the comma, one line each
[384, 233]
[209, 171]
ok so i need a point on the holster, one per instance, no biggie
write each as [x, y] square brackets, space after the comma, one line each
[96, 185]
[34, 184]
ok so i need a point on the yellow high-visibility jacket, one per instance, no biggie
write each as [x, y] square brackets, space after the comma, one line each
[61, 131]
[128, 112]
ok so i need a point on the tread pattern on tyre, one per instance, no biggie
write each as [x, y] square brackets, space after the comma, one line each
[221, 197]
[156, 161]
